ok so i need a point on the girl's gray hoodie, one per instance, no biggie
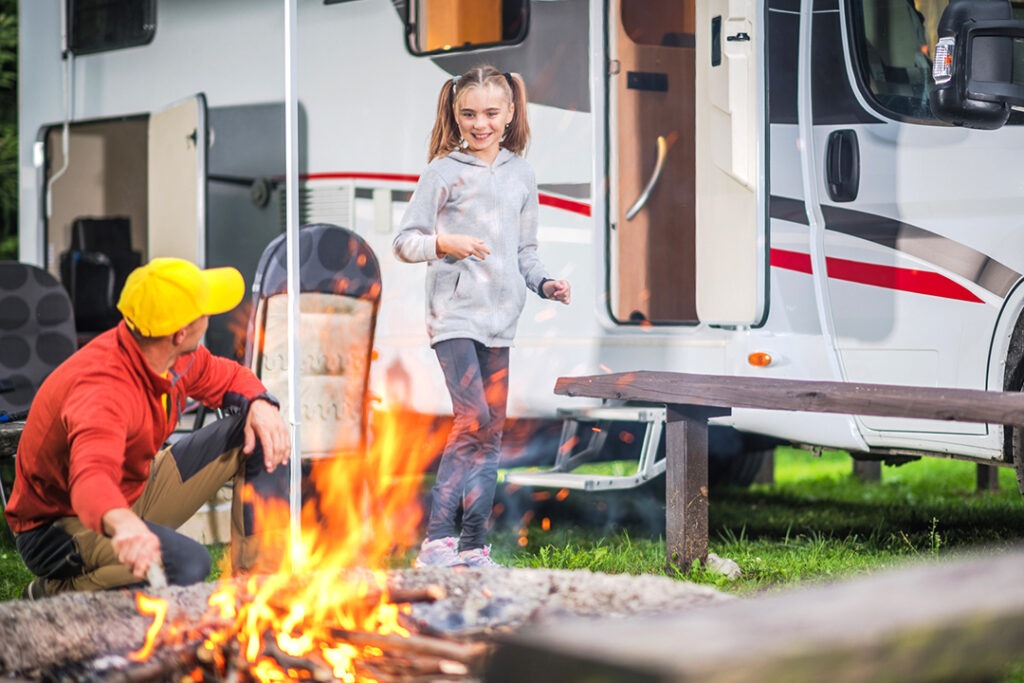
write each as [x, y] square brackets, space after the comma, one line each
[474, 298]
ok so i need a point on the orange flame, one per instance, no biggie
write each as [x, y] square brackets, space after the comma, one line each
[156, 608]
[366, 510]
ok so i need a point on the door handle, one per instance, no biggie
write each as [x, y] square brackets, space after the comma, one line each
[658, 165]
[842, 165]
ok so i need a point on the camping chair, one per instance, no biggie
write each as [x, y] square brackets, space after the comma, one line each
[338, 301]
[37, 334]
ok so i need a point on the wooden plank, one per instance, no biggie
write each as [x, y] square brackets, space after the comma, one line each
[686, 483]
[962, 405]
[935, 622]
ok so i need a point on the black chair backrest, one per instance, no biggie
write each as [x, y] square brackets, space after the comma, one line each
[95, 267]
[37, 332]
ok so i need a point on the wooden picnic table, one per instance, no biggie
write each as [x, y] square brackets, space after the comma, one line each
[690, 399]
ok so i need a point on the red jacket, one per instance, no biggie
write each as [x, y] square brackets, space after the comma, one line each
[97, 422]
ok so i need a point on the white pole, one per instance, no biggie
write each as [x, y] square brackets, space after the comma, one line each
[291, 122]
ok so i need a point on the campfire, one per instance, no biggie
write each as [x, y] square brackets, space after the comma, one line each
[328, 612]
[363, 641]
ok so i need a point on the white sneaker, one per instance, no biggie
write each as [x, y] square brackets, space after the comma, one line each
[441, 552]
[478, 557]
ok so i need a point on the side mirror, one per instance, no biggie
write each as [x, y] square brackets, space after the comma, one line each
[973, 67]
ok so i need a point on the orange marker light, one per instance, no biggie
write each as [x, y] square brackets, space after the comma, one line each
[759, 359]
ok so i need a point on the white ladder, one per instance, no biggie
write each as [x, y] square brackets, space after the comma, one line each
[562, 476]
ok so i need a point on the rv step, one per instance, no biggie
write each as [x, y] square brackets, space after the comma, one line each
[562, 475]
[581, 482]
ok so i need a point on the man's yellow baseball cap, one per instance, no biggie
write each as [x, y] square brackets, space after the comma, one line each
[167, 294]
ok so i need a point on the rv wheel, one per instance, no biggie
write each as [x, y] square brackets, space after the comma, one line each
[738, 469]
[1017, 444]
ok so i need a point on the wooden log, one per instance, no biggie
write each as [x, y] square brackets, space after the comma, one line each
[316, 671]
[431, 593]
[467, 653]
[959, 620]
[936, 403]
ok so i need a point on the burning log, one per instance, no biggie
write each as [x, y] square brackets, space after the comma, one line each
[431, 593]
[467, 653]
[316, 671]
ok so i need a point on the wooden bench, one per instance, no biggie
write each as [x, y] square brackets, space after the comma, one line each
[691, 399]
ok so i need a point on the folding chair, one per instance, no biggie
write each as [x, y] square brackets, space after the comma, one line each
[339, 282]
[37, 333]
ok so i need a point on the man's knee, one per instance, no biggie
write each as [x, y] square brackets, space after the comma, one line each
[191, 564]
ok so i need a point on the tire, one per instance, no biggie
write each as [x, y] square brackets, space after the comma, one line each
[1017, 448]
[738, 469]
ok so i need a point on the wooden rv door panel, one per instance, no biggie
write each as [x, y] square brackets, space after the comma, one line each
[176, 169]
[653, 91]
[731, 242]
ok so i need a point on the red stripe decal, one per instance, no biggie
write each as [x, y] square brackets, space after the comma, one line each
[791, 260]
[545, 199]
[397, 177]
[902, 279]
[564, 204]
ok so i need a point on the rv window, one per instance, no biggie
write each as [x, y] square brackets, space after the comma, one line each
[100, 25]
[894, 41]
[441, 26]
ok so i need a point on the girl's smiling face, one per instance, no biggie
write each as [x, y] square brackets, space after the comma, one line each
[482, 115]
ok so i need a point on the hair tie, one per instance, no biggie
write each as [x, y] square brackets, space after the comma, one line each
[508, 78]
[455, 80]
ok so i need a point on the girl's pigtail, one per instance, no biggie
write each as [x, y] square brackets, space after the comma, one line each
[518, 135]
[445, 136]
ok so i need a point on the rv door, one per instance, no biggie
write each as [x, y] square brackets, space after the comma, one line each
[177, 142]
[731, 230]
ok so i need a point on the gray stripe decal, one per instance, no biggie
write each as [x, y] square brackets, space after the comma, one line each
[945, 253]
[574, 190]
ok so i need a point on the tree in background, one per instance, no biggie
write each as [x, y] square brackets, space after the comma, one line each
[9, 129]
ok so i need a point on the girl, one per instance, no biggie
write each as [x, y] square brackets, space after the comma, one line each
[473, 219]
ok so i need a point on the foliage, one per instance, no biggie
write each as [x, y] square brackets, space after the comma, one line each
[8, 129]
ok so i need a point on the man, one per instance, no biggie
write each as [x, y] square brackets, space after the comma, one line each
[96, 496]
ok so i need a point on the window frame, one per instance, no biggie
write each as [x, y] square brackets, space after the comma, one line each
[148, 30]
[858, 68]
[411, 30]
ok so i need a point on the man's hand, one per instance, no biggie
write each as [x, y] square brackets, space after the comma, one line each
[264, 422]
[134, 544]
[460, 246]
[559, 290]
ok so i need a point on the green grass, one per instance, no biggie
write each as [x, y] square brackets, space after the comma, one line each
[815, 523]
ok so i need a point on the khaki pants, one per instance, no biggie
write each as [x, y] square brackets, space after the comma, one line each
[182, 478]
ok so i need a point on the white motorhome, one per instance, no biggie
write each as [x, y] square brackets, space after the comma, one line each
[748, 187]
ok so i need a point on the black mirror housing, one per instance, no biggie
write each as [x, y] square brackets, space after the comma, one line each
[979, 58]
